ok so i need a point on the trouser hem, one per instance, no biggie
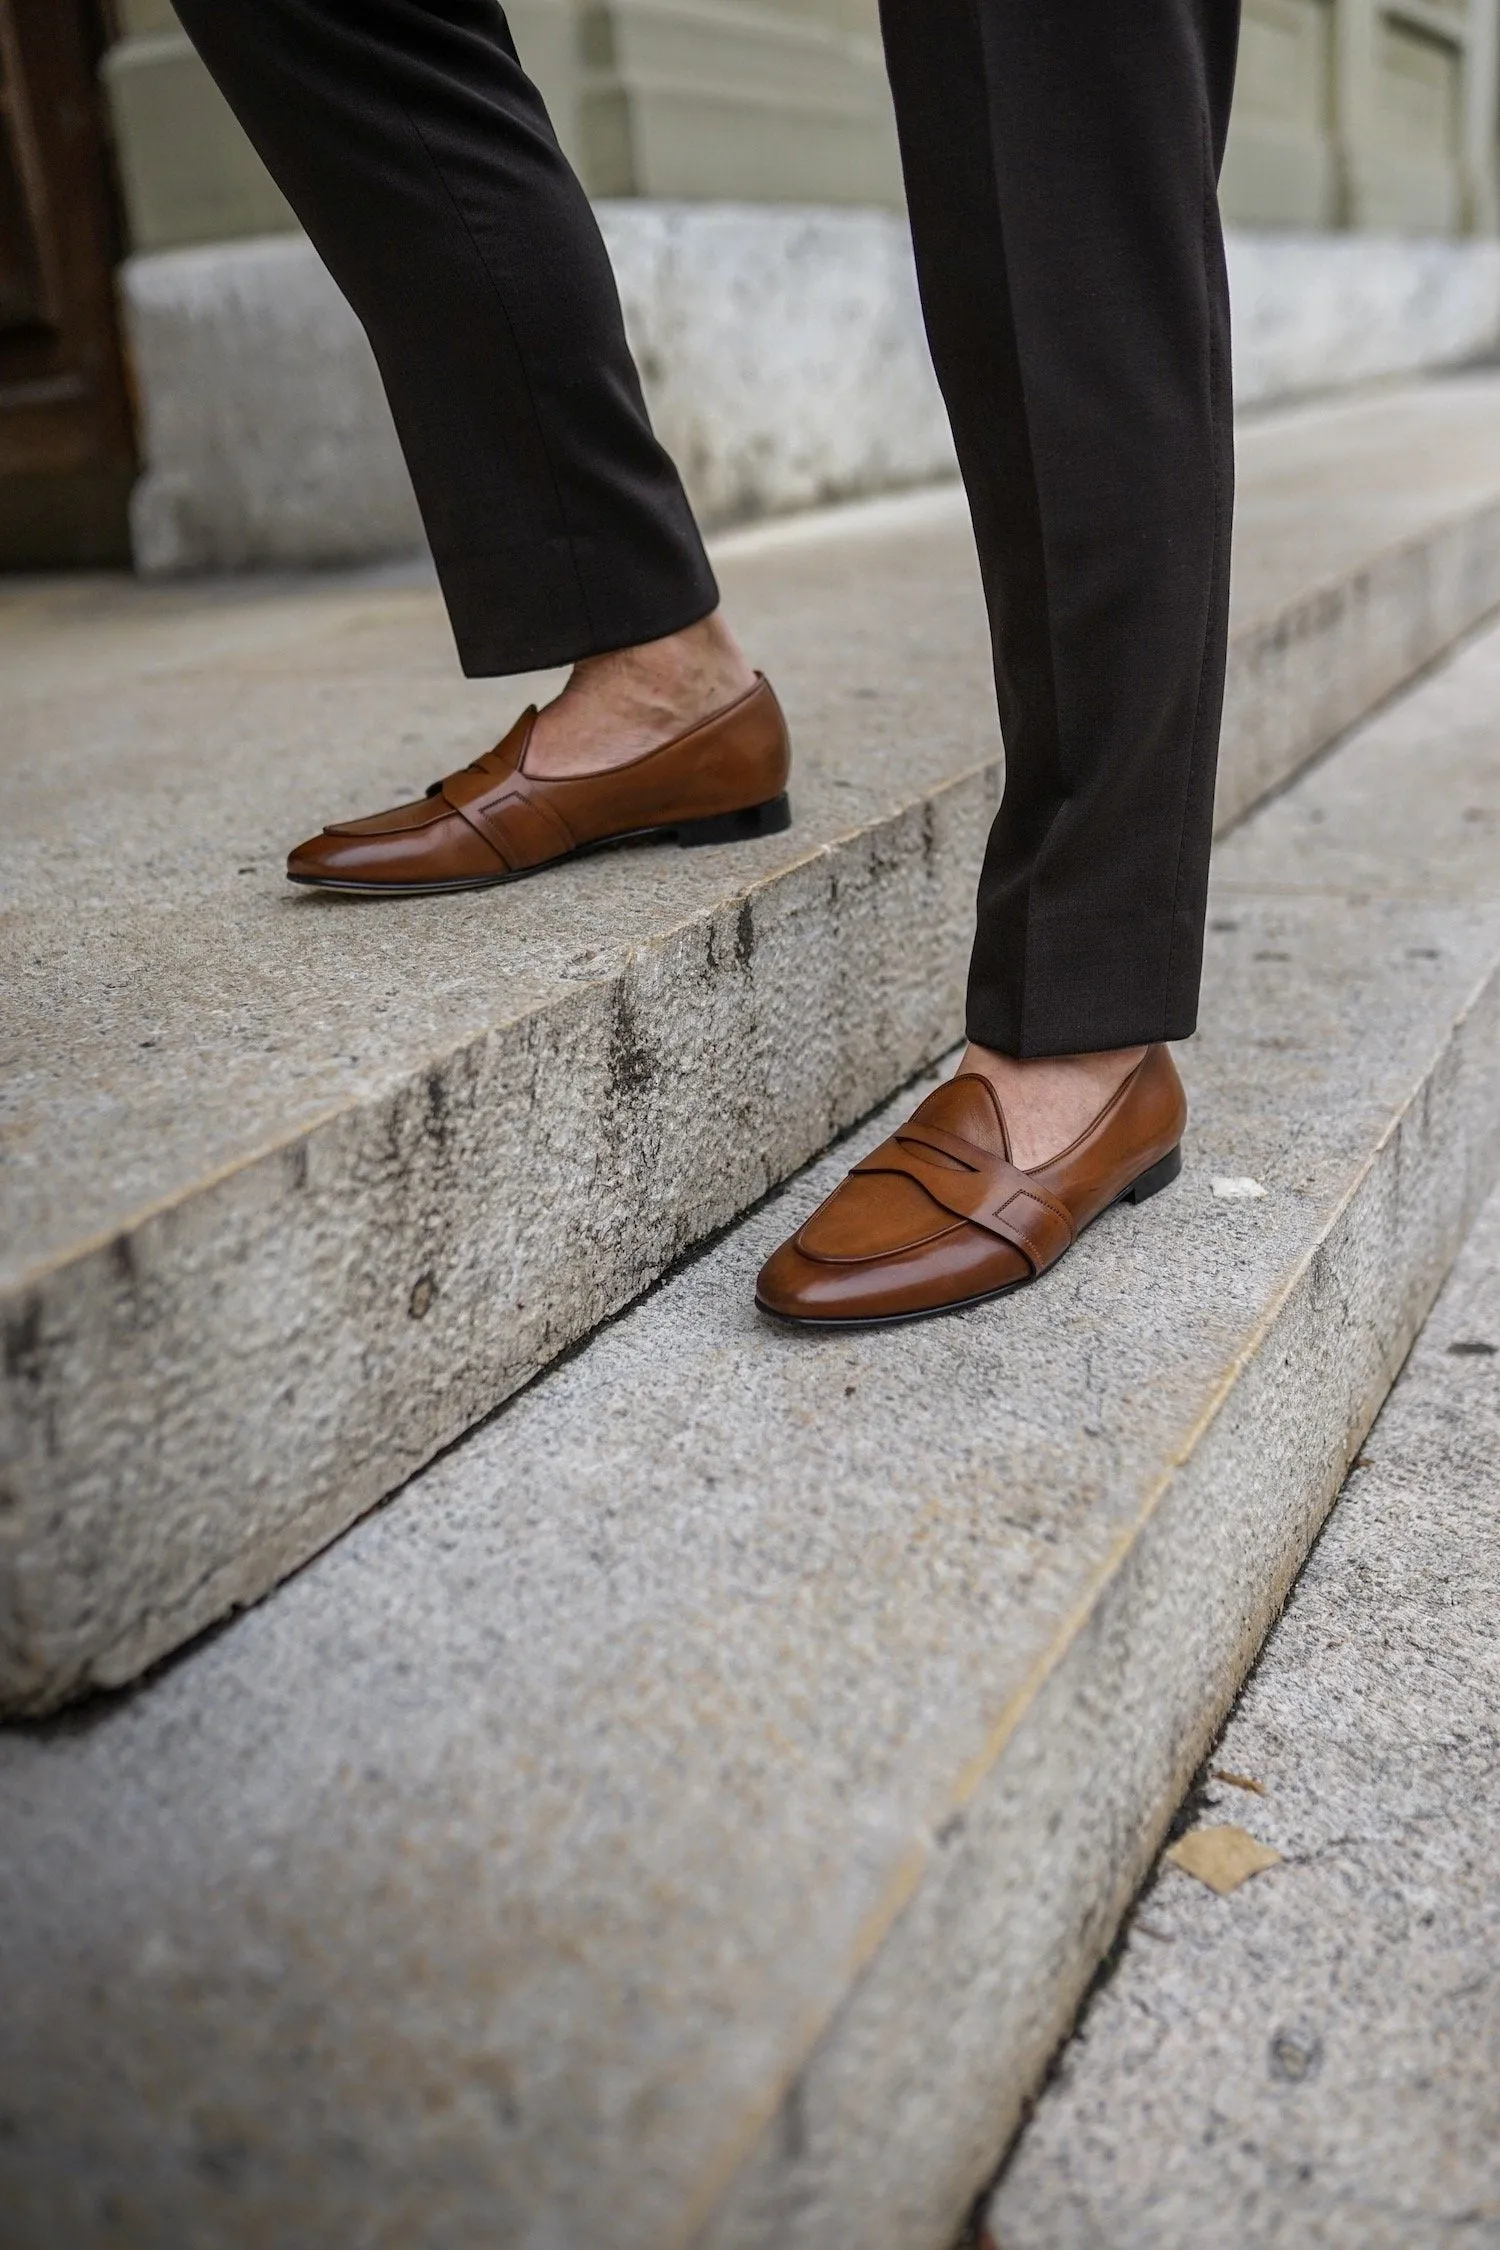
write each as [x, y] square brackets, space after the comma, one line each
[1080, 1038]
[497, 634]
[1090, 986]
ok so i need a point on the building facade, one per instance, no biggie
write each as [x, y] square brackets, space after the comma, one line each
[1354, 118]
[1377, 114]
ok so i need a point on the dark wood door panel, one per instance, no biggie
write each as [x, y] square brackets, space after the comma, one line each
[67, 445]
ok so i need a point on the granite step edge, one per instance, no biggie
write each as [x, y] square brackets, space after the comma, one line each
[1302, 673]
[1443, 582]
[983, 1956]
[102, 1332]
[198, 1404]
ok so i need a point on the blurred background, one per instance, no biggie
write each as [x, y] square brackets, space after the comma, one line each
[183, 390]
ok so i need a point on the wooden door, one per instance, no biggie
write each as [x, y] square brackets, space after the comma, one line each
[67, 449]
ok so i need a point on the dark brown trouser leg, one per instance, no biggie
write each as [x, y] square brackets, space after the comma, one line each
[1061, 163]
[418, 155]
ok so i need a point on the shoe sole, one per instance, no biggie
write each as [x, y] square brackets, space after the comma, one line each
[1151, 1182]
[770, 819]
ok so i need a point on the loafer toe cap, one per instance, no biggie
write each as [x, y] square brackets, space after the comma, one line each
[959, 1265]
[431, 856]
[317, 857]
[336, 858]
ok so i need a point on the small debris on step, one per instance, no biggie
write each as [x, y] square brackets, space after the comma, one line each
[1238, 1191]
[1295, 2055]
[1239, 1781]
[1223, 1858]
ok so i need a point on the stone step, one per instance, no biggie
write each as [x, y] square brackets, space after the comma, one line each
[298, 1190]
[691, 1812]
[1312, 2059]
[781, 348]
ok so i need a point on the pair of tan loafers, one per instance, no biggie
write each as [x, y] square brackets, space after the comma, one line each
[936, 1218]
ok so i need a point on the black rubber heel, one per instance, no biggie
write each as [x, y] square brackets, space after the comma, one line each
[1151, 1183]
[738, 827]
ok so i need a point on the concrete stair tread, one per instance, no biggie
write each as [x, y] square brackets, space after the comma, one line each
[235, 1019]
[297, 1190]
[265, 1008]
[1326, 486]
[691, 1811]
[1361, 1980]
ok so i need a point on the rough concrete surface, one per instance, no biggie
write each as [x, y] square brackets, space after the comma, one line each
[781, 349]
[692, 1810]
[1314, 310]
[1314, 2062]
[1367, 538]
[296, 1188]
[296, 1193]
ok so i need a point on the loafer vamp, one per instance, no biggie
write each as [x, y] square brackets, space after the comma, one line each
[424, 812]
[493, 818]
[444, 850]
[872, 1218]
[961, 1263]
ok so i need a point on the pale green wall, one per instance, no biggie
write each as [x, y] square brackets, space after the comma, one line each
[186, 170]
[1362, 113]
[730, 98]
[761, 100]
[1365, 113]
[145, 15]
[862, 17]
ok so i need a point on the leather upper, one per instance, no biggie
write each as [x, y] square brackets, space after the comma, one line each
[493, 818]
[938, 1214]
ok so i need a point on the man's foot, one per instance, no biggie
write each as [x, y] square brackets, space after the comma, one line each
[618, 705]
[1048, 1101]
[720, 778]
[942, 1214]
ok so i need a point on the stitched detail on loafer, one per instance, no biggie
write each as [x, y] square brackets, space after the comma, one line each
[1038, 1226]
[514, 820]
[976, 1185]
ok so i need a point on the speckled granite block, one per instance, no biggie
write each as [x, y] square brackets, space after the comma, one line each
[690, 1813]
[781, 349]
[297, 1189]
[1314, 2063]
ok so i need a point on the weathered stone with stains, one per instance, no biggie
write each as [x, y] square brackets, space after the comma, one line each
[691, 1812]
[1314, 2064]
[298, 1189]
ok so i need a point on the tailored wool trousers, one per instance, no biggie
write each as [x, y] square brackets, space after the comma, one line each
[1061, 160]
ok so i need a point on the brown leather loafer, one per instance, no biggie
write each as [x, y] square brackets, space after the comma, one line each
[721, 781]
[939, 1217]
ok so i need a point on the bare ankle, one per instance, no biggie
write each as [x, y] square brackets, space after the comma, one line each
[1049, 1100]
[627, 701]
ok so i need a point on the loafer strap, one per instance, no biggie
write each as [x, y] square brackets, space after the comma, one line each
[985, 1189]
[515, 820]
